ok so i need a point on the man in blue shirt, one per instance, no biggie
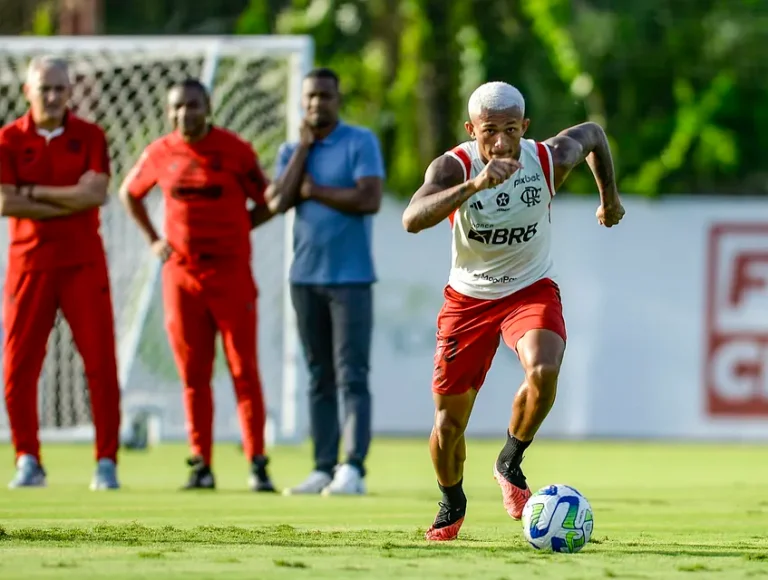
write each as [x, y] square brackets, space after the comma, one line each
[333, 177]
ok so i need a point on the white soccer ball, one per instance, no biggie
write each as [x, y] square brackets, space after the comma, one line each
[557, 518]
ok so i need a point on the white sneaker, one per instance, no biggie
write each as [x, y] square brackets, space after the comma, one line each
[105, 476]
[346, 481]
[29, 473]
[314, 484]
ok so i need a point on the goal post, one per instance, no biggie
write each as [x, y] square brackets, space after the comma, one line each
[121, 83]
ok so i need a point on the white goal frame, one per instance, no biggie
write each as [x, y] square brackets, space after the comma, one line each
[299, 52]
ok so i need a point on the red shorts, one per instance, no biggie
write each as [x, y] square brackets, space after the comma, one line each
[469, 332]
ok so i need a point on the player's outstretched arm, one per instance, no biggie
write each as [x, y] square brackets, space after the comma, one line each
[585, 142]
[588, 142]
[445, 189]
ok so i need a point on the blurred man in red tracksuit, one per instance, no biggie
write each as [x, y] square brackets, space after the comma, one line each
[54, 174]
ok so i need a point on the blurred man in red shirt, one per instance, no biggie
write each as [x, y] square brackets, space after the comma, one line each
[54, 174]
[207, 175]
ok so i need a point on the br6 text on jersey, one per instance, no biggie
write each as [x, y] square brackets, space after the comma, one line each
[504, 236]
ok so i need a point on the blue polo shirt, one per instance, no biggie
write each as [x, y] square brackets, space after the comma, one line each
[330, 246]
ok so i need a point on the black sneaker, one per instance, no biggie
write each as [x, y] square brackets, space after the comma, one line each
[259, 480]
[201, 476]
[447, 523]
[514, 489]
[513, 474]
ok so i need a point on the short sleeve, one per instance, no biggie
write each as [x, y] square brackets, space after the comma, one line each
[98, 153]
[283, 157]
[142, 177]
[7, 167]
[255, 180]
[368, 159]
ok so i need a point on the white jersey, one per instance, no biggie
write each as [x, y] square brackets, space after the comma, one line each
[501, 235]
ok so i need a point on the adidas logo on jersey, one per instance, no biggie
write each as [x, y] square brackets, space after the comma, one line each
[504, 236]
[476, 205]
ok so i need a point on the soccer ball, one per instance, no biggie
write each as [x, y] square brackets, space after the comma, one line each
[557, 518]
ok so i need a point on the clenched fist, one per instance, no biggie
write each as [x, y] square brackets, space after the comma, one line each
[610, 212]
[162, 249]
[306, 135]
[495, 172]
[307, 185]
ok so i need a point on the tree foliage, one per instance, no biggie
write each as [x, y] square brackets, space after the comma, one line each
[680, 87]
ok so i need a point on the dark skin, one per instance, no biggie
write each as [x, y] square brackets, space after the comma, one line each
[48, 90]
[498, 135]
[320, 100]
[188, 110]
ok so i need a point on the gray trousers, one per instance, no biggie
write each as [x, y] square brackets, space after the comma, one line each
[335, 325]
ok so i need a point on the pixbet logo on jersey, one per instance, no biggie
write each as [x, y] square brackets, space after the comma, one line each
[736, 371]
[525, 179]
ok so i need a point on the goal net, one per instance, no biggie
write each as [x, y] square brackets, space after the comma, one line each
[121, 83]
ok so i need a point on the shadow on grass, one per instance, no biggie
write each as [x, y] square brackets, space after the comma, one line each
[396, 544]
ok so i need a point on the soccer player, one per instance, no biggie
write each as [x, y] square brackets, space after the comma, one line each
[496, 190]
[54, 174]
[333, 176]
[207, 175]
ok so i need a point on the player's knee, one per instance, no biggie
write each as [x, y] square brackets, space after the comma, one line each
[246, 380]
[448, 428]
[542, 380]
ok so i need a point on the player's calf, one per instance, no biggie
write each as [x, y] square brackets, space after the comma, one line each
[538, 393]
[532, 404]
[448, 450]
[450, 517]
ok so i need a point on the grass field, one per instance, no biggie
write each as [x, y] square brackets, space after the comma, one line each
[661, 511]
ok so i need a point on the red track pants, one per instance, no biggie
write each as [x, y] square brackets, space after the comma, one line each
[30, 301]
[201, 300]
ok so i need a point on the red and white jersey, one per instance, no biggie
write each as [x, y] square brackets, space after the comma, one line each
[501, 235]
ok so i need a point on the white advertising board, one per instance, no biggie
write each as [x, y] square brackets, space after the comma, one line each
[667, 318]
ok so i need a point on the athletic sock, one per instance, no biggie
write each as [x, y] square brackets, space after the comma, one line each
[453, 507]
[453, 496]
[508, 463]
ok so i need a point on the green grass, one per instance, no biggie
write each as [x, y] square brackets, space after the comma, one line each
[661, 511]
